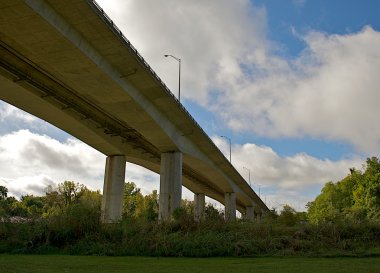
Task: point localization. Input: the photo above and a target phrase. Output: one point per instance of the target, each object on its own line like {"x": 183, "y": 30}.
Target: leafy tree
{"x": 33, "y": 204}
{"x": 288, "y": 216}
{"x": 3, "y": 192}
{"x": 71, "y": 191}
{"x": 150, "y": 210}
{"x": 212, "y": 214}
{"x": 132, "y": 200}
{"x": 356, "y": 197}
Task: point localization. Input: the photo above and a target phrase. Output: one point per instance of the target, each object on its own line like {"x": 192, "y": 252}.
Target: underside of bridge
{"x": 67, "y": 63}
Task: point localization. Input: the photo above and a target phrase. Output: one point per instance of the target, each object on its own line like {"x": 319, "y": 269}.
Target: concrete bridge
{"x": 67, "y": 63}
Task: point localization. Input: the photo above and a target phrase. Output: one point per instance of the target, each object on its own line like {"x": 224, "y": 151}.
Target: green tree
{"x": 132, "y": 200}
{"x": 150, "y": 209}
{"x": 3, "y": 192}
{"x": 355, "y": 197}
{"x": 71, "y": 191}
{"x": 34, "y": 204}
{"x": 288, "y": 216}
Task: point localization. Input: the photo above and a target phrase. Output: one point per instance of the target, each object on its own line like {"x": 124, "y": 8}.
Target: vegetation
{"x": 355, "y": 198}
{"x": 342, "y": 220}
{"x": 80, "y": 264}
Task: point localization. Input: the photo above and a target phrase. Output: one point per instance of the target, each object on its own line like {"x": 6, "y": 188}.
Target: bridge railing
{"x": 131, "y": 48}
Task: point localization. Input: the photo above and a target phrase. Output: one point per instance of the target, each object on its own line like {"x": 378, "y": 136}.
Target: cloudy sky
{"x": 295, "y": 84}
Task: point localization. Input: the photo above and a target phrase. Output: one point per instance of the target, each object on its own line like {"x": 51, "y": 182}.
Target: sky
{"x": 294, "y": 84}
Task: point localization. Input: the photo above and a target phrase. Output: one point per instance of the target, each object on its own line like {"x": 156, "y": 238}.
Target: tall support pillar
{"x": 257, "y": 213}
{"x": 230, "y": 207}
{"x": 250, "y": 213}
{"x": 112, "y": 200}
{"x": 262, "y": 216}
{"x": 199, "y": 206}
{"x": 170, "y": 185}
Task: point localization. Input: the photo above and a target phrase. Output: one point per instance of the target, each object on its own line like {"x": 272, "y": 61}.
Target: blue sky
{"x": 285, "y": 21}
{"x": 293, "y": 83}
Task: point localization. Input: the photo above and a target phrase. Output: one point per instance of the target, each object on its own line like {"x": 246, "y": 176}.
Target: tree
{"x": 3, "y": 192}
{"x": 150, "y": 211}
{"x": 71, "y": 191}
{"x": 33, "y": 204}
{"x": 132, "y": 200}
{"x": 288, "y": 216}
{"x": 355, "y": 197}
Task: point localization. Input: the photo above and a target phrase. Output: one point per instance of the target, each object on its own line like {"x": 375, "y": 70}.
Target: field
{"x": 80, "y": 264}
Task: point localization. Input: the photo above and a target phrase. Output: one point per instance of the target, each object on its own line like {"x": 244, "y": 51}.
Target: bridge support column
{"x": 258, "y": 213}
{"x": 170, "y": 185}
{"x": 199, "y": 206}
{"x": 112, "y": 201}
{"x": 230, "y": 207}
{"x": 262, "y": 214}
{"x": 250, "y": 213}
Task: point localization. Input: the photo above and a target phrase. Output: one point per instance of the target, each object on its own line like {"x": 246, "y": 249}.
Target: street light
{"x": 179, "y": 74}
{"x": 249, "y": 176}
{"x": 230, "y": 144}
{"x": 259, "y": 189}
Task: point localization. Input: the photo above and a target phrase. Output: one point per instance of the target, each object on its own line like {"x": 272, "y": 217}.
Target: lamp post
{"x": 179, "y": 74}
{"x": 249, "y": 176}
{"x": 259, "y": 189}
{"x": 230, "y": 144}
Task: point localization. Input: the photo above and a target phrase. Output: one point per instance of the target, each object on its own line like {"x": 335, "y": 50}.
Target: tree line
{"x": 71, "y": 195}
{"x": 343, "y": 220}
{"x": 356, "y": 197}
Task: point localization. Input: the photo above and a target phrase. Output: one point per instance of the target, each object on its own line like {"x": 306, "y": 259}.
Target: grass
{"x": 80, "y": 264}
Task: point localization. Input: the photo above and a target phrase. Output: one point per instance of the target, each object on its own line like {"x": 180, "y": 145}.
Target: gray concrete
{"x": 230, "y": 207}
{"x": 112, "y": 201}
{"x": 250, "y": 213}
{"x": 199, "y": 206}
{"x": 95, "y": 86}
{"x": 258, "y": 214}
{"x": 170, "y": 185}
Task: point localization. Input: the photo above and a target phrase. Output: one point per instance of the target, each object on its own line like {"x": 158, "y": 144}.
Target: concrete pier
{"x": 250, "y": 213}
{"x": 170, "y": 185}
{"x": 199, "y": 206}
{"x": 112, "y": 201}
{"x": 230, "y": 207}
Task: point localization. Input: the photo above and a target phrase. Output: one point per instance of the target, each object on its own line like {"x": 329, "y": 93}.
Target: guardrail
{"x": 96, "y": 7}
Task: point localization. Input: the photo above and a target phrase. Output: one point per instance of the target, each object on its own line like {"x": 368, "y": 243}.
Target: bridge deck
{"x": 65, "y": 62}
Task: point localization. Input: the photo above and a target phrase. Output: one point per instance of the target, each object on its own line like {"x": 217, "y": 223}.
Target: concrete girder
{"x": 121, "y": 85}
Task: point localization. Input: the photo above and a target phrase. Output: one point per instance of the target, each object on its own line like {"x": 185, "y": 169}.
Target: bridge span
{"x": 68, "y": 64}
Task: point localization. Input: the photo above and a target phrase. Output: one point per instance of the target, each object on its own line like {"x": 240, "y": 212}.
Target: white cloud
{"x": 229, "y": 65}
{"x": 294, "y": 179}
{"x": 9, "y": 112}
{"x": 330, "y": 91}
{"x": 30, "y": 162}
{"x": 211, "y": 37}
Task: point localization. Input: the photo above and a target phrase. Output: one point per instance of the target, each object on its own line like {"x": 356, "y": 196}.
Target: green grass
{"x": 80, "y": 264}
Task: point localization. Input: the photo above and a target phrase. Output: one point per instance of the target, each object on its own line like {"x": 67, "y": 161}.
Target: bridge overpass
{"x": 68, "y": 64}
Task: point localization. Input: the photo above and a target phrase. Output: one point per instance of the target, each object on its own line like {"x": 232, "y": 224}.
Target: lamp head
{"x": 166, "y": 55}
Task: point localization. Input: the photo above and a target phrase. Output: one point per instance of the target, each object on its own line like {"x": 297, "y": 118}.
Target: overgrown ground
{"x": 185, "y": 238}
{"x": 344, "y": 220}
{"x": 80, "y": 264}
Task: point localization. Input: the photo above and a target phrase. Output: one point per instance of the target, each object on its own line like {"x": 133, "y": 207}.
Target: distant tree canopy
{"x": 3, "y": 192}
{"x": 355, "y": 197}
{"x": 54, "y": 202}
{"x": 136, "y": 205}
